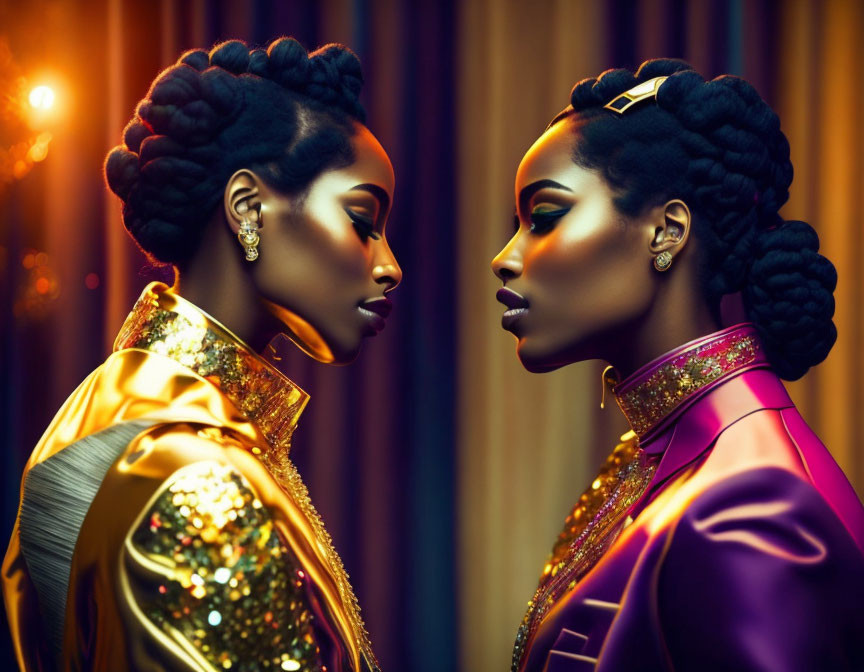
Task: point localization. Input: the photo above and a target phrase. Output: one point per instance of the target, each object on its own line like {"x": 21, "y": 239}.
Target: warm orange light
{"x": 20, "y": 169}
{"x": 42, "y": 97}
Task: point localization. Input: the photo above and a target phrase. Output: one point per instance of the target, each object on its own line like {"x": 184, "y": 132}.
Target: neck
{"x": 170, "y": 325}
{"x": 677, "y": 315}
{"x": 216, "y": 281}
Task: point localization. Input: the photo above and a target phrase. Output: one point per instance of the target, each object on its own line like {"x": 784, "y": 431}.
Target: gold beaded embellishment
{"x": 227, "y": 589}
{"x": 589, "y": 531}
{"x": 653, "y": 396}
{"x": 288, "y": 477}
{"x": 262, "y": 393}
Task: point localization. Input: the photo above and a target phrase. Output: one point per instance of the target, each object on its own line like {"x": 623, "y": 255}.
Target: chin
{"x": 544, "y": 357}
{"x": 537, "y": 360}
{"x": 343, "y": 351}
{"x": 326, "y": 350}
{"x": 345, "y": 357}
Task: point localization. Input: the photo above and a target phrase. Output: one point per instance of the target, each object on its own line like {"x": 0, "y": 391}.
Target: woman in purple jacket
{"x": 720, "y": 534}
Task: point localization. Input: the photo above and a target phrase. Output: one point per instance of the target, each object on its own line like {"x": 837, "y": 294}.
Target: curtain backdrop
{"x": 442, "y": 469}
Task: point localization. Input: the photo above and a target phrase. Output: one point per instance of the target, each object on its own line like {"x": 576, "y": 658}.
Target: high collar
{"x": 659, "y": 392}
{"x": 165, "y": 323}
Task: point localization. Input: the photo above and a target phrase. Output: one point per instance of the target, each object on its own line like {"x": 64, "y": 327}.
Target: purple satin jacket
{"x": 746, "y": 550}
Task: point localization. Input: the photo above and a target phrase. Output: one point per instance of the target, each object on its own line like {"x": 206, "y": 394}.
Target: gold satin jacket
{"x": 162, "y": 525}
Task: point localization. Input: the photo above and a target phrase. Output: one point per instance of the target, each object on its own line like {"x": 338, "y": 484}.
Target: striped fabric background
{"x": 442, "y": 468}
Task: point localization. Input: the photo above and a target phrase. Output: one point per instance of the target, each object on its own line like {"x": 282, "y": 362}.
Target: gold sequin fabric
{"x": 589, "y": 531}
{"x": 650, "y": 397}
{"x": 164, "y": 323}
{"x": 229, "y": 590}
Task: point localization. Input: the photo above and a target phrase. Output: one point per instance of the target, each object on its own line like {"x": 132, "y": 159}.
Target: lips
{"x": 380, "y": 305}
{"x": 517, "y": 304}
{"x": 511, "y": 299}
{"x": 375, "y": 311}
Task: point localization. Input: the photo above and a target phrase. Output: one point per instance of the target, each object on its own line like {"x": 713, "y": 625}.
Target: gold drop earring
{"x": 610, "y": 378}
{"x": 249, "y": 238}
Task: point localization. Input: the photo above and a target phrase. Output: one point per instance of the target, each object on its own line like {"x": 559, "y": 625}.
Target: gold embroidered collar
{"x": 165, "y": 323}
{"x": 654, "y": 394}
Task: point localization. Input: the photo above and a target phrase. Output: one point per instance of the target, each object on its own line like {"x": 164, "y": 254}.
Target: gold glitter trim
{"x": 286, "y": 474}
{"x": 165, "y": 323}
{"x": 589, "y": 531}
{"x": 648, "y": 400}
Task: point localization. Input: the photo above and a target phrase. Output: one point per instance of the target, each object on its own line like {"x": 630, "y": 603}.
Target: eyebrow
{"x": 534, "y": 187}
{"x": 378, "y": 192}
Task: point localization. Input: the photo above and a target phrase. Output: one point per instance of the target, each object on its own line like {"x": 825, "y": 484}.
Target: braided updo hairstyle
{"x": 717, "y": 146}
{"x": 283, "y": 112}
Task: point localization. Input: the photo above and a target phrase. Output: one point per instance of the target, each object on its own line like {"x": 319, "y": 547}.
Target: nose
{"x": 508, "y": 262}
{"x": 386, "y": 270}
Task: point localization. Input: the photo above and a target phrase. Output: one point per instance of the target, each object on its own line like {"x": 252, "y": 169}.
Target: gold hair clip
{"x": 638, "y": 93}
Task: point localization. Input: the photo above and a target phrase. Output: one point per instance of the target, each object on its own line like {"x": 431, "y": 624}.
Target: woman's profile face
{"x": 576, "y": 273}
{"x": 324, "y": 264}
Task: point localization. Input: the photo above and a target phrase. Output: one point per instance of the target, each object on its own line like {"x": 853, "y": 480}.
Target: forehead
{"x": 551, "y": 155}
{"x": 371, "y": 164}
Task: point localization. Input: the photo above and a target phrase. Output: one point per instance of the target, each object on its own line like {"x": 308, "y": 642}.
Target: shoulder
{"x": 786, "y": 515}
{"x": 760, "y": 439}
{"x": 157, "y": 454}
{"x": 759, "y": 570}
{"x": 132, "y": 384}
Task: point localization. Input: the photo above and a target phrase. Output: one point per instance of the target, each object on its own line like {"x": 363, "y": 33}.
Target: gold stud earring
{"x": 663, "y": 261}
{"x": 249, "y": 238}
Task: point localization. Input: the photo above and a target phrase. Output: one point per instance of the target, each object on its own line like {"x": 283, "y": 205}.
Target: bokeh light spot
{"x": 39, "y": 150}
{"x": 43, "y": 285}
{"x": 91, "y": 281}
{"x": 37, "y": 153}
{"x": 42, "y": 97}
{"x": 19, "y": 170}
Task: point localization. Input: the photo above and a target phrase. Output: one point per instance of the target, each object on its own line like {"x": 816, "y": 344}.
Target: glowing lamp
{"x": 42, "y": 97}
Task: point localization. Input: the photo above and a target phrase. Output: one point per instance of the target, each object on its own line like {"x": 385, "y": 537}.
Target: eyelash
{"x": 363, "y": 226}
{"x": 541, "y": 222}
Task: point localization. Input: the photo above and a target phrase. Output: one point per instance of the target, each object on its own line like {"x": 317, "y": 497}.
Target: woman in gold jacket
{"x": 162, "y": 524}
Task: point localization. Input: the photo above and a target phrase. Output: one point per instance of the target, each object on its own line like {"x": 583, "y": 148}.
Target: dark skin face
{"x": 324, "y": 265}
{"x": 580, "y": 275}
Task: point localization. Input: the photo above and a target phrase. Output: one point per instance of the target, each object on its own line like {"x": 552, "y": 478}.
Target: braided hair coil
{"x": 285, "y": 112}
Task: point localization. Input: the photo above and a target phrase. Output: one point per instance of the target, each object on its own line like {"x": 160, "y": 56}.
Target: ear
{"x": 242, "y": 199}
{"x": 672, "y": 230}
